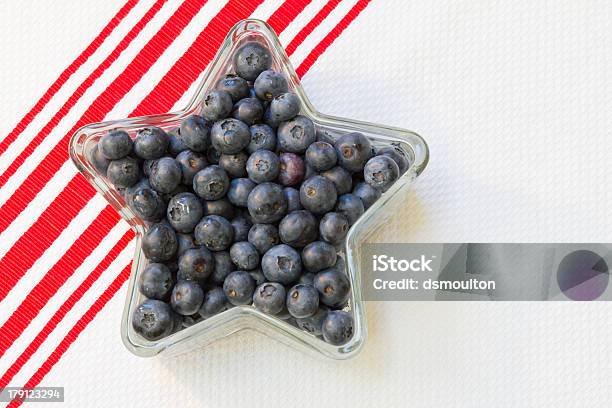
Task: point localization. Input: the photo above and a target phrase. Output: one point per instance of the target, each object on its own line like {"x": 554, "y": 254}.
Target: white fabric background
{"x": 515, "y": 101}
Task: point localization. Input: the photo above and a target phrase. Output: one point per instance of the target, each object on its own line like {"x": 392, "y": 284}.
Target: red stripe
{"x": 56, "y": 355}
{"x": 78, "y": 93}
{"x": 57, "y": 275}
{"x": 65, "y": 308}
{"x": 100, "y": 107}
{"x": 74, "y": 333}
{"x": 286, "y": 13}
{"x": 331, "y": 37}
{"x": 66, "y": 74}
{"x": 308, "y": 28}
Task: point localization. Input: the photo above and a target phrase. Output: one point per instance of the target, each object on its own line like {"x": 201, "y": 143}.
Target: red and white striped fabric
{"x": 65, "y": 254}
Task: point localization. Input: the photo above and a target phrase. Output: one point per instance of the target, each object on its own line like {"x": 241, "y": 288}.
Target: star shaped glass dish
{"x": 247, "y": 317}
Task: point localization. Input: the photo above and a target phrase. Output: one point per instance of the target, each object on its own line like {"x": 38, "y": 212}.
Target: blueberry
{"x": 307, "y": 278}
{"x": 367, "y": 194}
{"x": 175, "y": 142}
{"x": 321, "y": 156}
{"x": 241, "y": 225}
{"x": 185, "y": 242}
{"x": 318, "y": 194}
{"x": 123, "y": 172}
{"x": 211, "y": 183}
{"x": 269, "y": 84}
{"x": 337, "y": 327}
{"x": 190, "y": 163}
{"x": 237, "y": 87}
{"x": 302, "y": 301}
{"x": 298, "y": 228}
{"x": 284, "y": 107}
{"x": 296, "y": 135}
{"x": 398, "y": 155}
{"x": 333, "y": 227}
{"x": 381, "y": 172}
{"x": 196, "y": 264}
{"x": 214, "y": 232}
{"x": 263, "y": 237}
{"x": 99, "y": 162}
{"x": 248, "y": 110}
{"x": 313, "y": 324}
{"x": 234, "y": 164}
{"x": 351, "y": 207}
{"x": 146, "y": 203}
{"x": 223, "y": 266}
{"x": 258, "y": 276}
{"x": 181, "y": 188}
{"x": 293, "y": 199}
{"x": 282, "y": 264}
{"x": 229, "y": 136}
{"x": 213, "y": 155}
{"x": 341, "y": 178}
{"x": 159, "y": 243}
{"x": 151, "y": 143}
{"x": 244, "y": 255}
{"x": 153, "y": 319}
{"x": 353, "y": 150}
{"x": 310, "y": 172}
{"x": 195, "y": 133}
{"x": 184, "y": 212}
{"x": 166, "y": 175}
{"x": 262, "y": 137}
{"x": 292, "y": 169}
{"x": 318, "y": 255}
{"x": 214, "y": 302}
{"x": 156, "y": 281}
{"x": 216, "y": 105}
{"x": 239, "y": 287}
{"x": 262, "y": 166}
{"x": 221, "y": 207}
{"x": 251, "y": 60}
{"x": 187, "y": 297}
{"x": 269, "y": 297}
{"x": 334, "y": 287}
{"x": 267, "y": 203}
{"x": 116, "y": 144}
{"x": 239, "y": 191}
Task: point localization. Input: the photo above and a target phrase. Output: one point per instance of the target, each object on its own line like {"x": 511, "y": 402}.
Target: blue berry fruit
{"x": 293, "y": 199}
{"x": 302, "y": 301}
{"x": 292, "y": 169}
{"x": 166, "y": 175}
{"x": 263, "y": 237}
{"x": 313, "y": 324}
{"x": 242, "y": 224}
{"x": 159, "y": 243}
{"x": 229, "y": 136}
{"x": 156, "y": 281}
{"x": 267, "y": 203}
{"x": 184, "y": 212}
{"x": 123, "y": 172}
{"x": 341, "y": 178}
{"x": 318, "y": 194}
{"x": 296, "y": 135}
{"x": 284, "y": 107}
{"x": 397, "y": 154}
{"x": 334, "y": 287}
{"x": 187, "y": 297}
{"x": 196, "y": 264}
{"x": 237, "y": 87}
{"x": 216, "y": 105}
{"x": 221, "y": 207}
{"x": 269, "y": 297}
{"x": 116, "y": 144}
{"x": 214, "y": 302}
{"x": 223, "y": 266}
{"x": 151, "y": 143}
{"x": 318, "y": 255}
{"x": 239, "y": 191}
{"x": 239, "y": 287}
{"x": 153, "y": 319}
{"x": 282, "y": 264}
{"x": 251, "y": 60}
{"x": 351, "y": 207}
{"x": 353, "y": 150}
{"x": 248, "y": 110}
{"x": 269, "y": 84}
{"x": 214, "y": 232}
{"x": 333, "y": 227}
{"x": 211, "y": 183}
{"x": 321, "y": 156}
{"x": 195, "y": 133}
{"x": 190, "y": 163}
{"x": 298, "y": 228}
{"x": 234, "y": 164}
{"x": 367, "y": 194}
{"x": 244, "y": 255}
{"x": 381, "y": 172}
{"x": 262, "y": 166}
{"x": 337, "y": 327}
{"x": 262, "y": 137}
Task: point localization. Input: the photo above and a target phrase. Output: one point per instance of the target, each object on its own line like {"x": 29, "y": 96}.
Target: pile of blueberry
{"x": 247, "y": 203}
